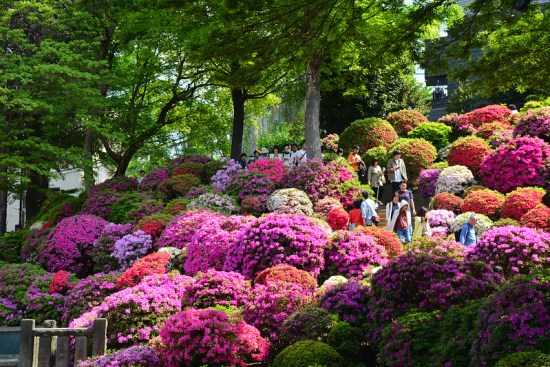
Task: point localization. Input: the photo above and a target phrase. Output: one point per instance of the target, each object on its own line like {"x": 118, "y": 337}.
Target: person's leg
{"x": 400, "y": 234}
{"x": 407, "y": 235}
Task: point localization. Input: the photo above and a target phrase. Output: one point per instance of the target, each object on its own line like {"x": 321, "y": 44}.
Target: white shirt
{"x": 398, "y": 175}
{"x": 368, "y": 210}
{"x": 301, "y": 156}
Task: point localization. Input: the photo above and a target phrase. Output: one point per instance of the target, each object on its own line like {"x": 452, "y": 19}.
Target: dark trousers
{"x": 379, "y": 192}
{"x": 394, "y": 187}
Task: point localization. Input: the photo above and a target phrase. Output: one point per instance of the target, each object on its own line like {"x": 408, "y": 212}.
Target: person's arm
{"x": 369, "y": 173}
{"x": 463, "y": 234}
{"x": 351, "y": 158}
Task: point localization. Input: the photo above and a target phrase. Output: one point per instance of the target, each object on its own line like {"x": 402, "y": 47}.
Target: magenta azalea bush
{"x": 103, "y": 196}
{"x": 427, "y": 181}
{"x": 348, "y": 300}
{"x": 515, "y": 164}
{"x": 217, "y": 288}
{"x": 274, "y": 168}
{"x": 104, "y": 246}
{"x": 152, "y": 181}
{"x": 136, "y": 356}
{"x": 222, "y": 178}
{"x": 136, "y": 314}
{"x": 211, "y": 337}
{"x": 353, "y": 255}
{"x": 131, "y": 247}
{"x": 277, "y": 239}
{"x": 70, "y": 245}
{"x": 209, "y": 245}
{"x": 534, "y": 123}
{"x": 518, "y": 250}
{"x": 180, "y": 231}
{"x": 251, "y": 184}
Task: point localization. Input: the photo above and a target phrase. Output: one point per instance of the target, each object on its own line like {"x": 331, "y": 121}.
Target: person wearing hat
{"x": 397, "y": 171}
{"x": 264, "y": 153}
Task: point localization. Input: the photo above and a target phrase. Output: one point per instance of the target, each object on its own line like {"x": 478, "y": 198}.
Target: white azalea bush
{"x": 482, "y": 225}
{"x": 454, "y": 180}
{"x": 216, "y": 202}
{"x": 290, "y": 201}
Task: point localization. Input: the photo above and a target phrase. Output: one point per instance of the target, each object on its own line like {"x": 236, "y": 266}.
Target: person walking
{"x": 401, "y": 225}
{"x": 376, "y": 180}
{"x": 397, "y": 171}
{"x": 468, "y": 235}
{"x": 368, "y": 210}
{"x": 421, "y": 225}
{"x": 392, "y": 210}
{"x": 407, "y": 195}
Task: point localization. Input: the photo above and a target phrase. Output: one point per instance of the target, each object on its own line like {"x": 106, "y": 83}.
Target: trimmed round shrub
{"x": 427, "y": 182}
{"x": 216, "y": 288}
{"x": 249, "y": 184}
{"x": 88, "y": 293}
{"x": 69, "y": 246}
{"x": 288, "y": 274}
{"x": 472, "y": 189}
{"x": 486, "y": 202}
{"x": 517, "y": 250}
{"x": 489, "y": 129}
{"x": 31, "y": 244}
{"x": 491, "y": 113}
{"x": 520, "y": 201}
{"x": 289, "y": 201}
{"x": 152, "y": 181}
{"x": 503, "y": 222}
{"x": 440, "y": 166}
{"x": 155, "y": 263}
{"x": 214, "y": 201}
{"x": 211, "y": 337}
{"x": 436, "y": 133}
{"x": 469, "y": 152}
{"x": 516, "y": 318}
{"x": 405, "y": 121}
{"x": 367, "y": 133}
{"x": 277, "y": 239}
{"x": 535, "y": 124}
{"x": 136, "y": 356}
{"x": 176, "y": 186}
{"x": 440, "y": 218}
{"x": 308, "y": 323}
{"x": 348, "y": 300}
{"x": 428, "y": 283}
{"x": 308, "y": 353}
{"x": 188, "y": 168}
{"x": 274, "y": 168}
{"x": 131, "y": 247}
{"x": 209, "y": 245}
{"x": 482, "y": 225}
{"x": 338, "y": 219}
{"x": 154, "y": 224}
{"x": 538, "y": 217}
{"x": 454, "y": 180}
{"x": 324, "y": 205}
{"x": 525, "y": 359}
{"x": 353, "y": 255}
{"x": 418, "y": 155}
{"x": 446, "y": 201}
{"x": 515, "y": 164}
{"x": 223, "y": 177}
{"x": 433, "y": 246}
{"x": 384, "y": 238}
{"x": 137, "y": 314}
{"x": 180, "y": 231}
{"x": 380, "y": 153}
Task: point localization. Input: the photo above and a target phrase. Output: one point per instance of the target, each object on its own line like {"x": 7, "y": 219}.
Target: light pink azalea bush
{"x": 180, "y": 231}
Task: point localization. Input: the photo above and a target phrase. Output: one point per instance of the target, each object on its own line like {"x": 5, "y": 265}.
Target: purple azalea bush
{"x": 427, "y": 182}
{"x": 277, "y": 239}
{"x": 131, "y": 247}
{"x": 180, "y": 231}
{"x": 135, "y": 356}
{"x": 534, "y": 123}
{"x": 251, "y": 184}
{"x": 217, "y": 288}
{"x": 222, "y": 178}
{"x": 518, "y": 250}
{"x": 104, "y": 246}
{"x": 348, "y": 300}
{"x": 70, "y": 245}
{"x": 154, "y": 179}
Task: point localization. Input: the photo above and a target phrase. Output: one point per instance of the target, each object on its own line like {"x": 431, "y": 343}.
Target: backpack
{"x": 457, "y": 235}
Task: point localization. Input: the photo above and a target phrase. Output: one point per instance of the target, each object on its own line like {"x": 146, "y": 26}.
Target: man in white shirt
{"x": 301, "y": 155}
{"x": 368, "y": 209}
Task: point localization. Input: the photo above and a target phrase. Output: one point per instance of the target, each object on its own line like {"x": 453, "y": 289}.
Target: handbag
{"x": 376, "y": 219}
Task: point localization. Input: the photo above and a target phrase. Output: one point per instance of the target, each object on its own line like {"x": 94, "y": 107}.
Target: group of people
{"x": 290, "y": 155}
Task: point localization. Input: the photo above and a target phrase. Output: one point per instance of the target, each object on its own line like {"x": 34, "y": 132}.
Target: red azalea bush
{"x": 176, "y": 206}
{"x": 154, "y": 224}
{"x": 518, "y": 250}
{"x": 538, "y": 217}
{"x": 384, "y": 238}
{"x": 520, "y": 201}
{"x": 405, "y": 121}
{"x": 338, "y": 219}
{"x": 486, "y": 202}
{"x": 534, "y": 123}
{"x": 62, "y": 282}
{"x": 155, "y": 263}
{"x": 211, "y": 337}
{"x": 180, "y": 231}
{"x": 517, "y": 163}
{"x": 277, "y": 239}
{"x": 274, "y": 168}
{"x": 487, "y": 114}
{"x": 367, "y": 133}
{"x": 324, "y": 205}
{"x": 252, "y": 206}
{"x": 418, "y": 155}
{"x": 353, "y": 255}
{"x": 188, "y": 168}
{"x": 489, "y": 129}
{"x": 470, "y": 152}
{"x": 217, "y": 288}
{"x": 69, "y": 246}
{"x": 288, "y": 274}
{"x": 448, "y": 201}
{"x": 176, "y": 186}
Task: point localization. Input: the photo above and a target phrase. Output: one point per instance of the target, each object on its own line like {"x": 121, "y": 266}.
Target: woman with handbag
{"x": 376, "y": 180}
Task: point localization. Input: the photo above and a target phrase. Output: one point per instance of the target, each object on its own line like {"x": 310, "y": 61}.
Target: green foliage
{"x": 525, "y": 359}
{"x": 306, "y": 353}
{"x": 436, "y": 133}
{"x": 503, "y": 222}
{"x": 210, "y": 169}
{"x": 176, "y": 187}
{"x": 59, "y": 205}
{"x": 283, "y": 134}
{"x": 10, "y": 245}
{"x": 440, "y": 165}
{"x": 367, "y": 133}
{"x": 536, "y": 104}
{"x": 348, "y": 341}
{"x": 133, "y": 206}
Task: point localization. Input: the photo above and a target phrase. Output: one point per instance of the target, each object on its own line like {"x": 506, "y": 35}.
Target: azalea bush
{"x": 154, "y": 224}
{"x": 308, "y": 323}
{"x": 274, "y": 168}
{"x": 433, "y": 246}
{"x": 427, "y": 182}
{"x": 131, "y": 247}
{"x": 188, "y": 168}
{"x": 155, "y": 263}
{"x": 330, "y": 142}
{"x": 454, "y": 180}
{"x": 152, "y": 181}
{"x": 405, "y": 121}
{"x": 324, "y": 206}
{"x": 487, "y": 130}
{"x": 436, "y": 133}
{"x": 418, "y": 155}
{"x": 348, "y": 300}
{"x": 176, "y": 206}
{"x": 367, "y": 133}
{"x": 31, "y": 243}
{"x": 289, "y": 201}
{"x": 483, "y": 222}
{"x": 518, "y": 250}
{"x": 353, "y": 255}
{"x": 515, "y": 164}
{"x": 179, "y": 232}
{"x": 133, "y": 206}
{"x": 210, "y": 169}
{"x": 176, "y": 186}
{"x": 211, "y": 337}
{"x": 287, "y": 274}
{"x": 491, "y": 113}
{"x": 217, "y": 288}
{"x": 277, "y": 239}
{"x": 338, "y": 219}
{"x": 448, "y": 201}
{"x": 520, "y": 201}
{"x": 70, "y": 245}
{"x": 440, "y": 218}
{"x": 136, "y": 356}
{"x": 535, "y": 124}
{"x": 251, "y": 184}
{"x": 384, "y": 238}
{"x": 215, "y": 202}
{"x": 486, "y": 202}
{"x": 459, "y": 126}
{"x": 252, "y": 206}
{"x": 538, "y": 217}
{"x": 209, "y": 245}
{"x": 222, "y": 178}
{"x": 381, "y": 153}
{"x": 469, "y": 152}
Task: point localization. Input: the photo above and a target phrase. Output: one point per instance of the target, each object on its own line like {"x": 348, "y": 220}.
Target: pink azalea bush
{"x": 70, "y": 244}
{"x": 274, "y": 168}
{"x": 211, "y": 337}
{"x": 180, "y": 231}
{"x": 520, "y": 201}
{"x": 216, "y": 288}
{"x": 348, "y": 300}
{"x": 440, "y": 218}
{"x": 137, "y": 314}
{"x": 534, "y": 123}
{"x": 486, "y": 114}
{"x": 251, "y": 184}
{"x": 209, "y": 245}
{"x": 353, "y": 255}
{"x": 434, "y": 246}
{"x": 515, "y": 164}
{"x": 518, "y": 250}
{"x": 135, "y": 356}
{"x": 427, "y": 181}
{"x": 276, "y": 239}
{"x": 153, "y": 179}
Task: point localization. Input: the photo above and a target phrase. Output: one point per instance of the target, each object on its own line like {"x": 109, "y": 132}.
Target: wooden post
{"x": 46, "y": 346}
{"x": 99, "y": 337}
{"x": 80, "y": 349}
{"x": 63, "y": 352}
{"x": 26, "y": 345}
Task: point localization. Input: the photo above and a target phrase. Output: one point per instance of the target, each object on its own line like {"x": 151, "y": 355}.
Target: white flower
{"x": 454, "y": 180}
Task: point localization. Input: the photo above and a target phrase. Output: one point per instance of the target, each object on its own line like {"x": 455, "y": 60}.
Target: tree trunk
{"x": 238, "y": 97}
{"x": 36, "y": 194}
{"x": 124, "y": 161}
{"x": 3, "y": 212}
{"x": 88, "y": 164}
{"x": 313, "y": 102}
